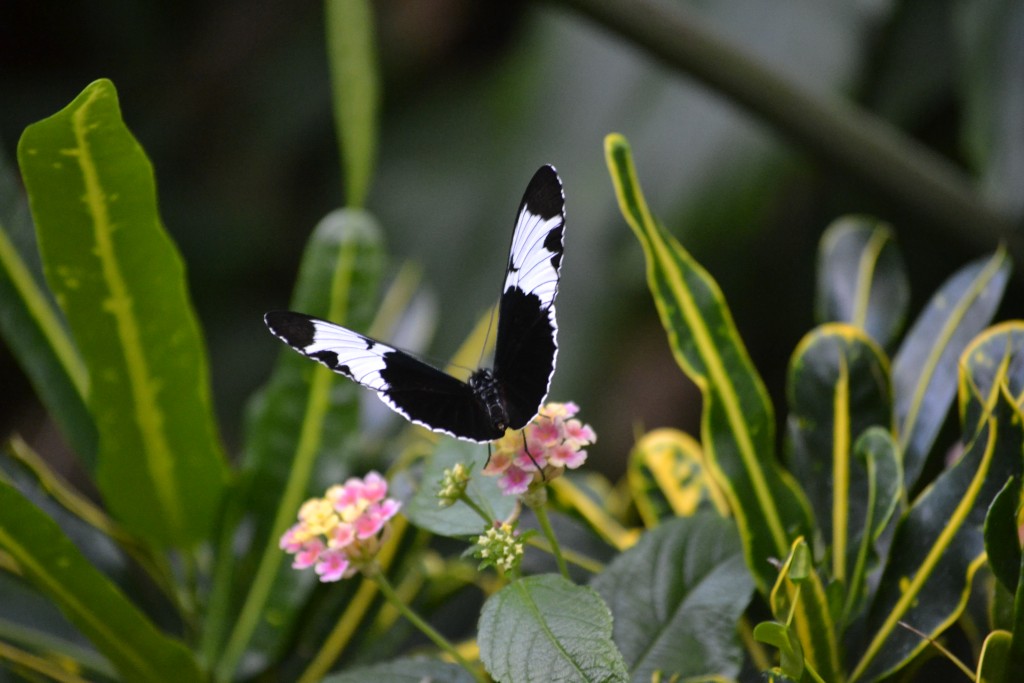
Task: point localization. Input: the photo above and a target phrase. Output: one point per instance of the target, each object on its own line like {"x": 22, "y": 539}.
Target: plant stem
{"x": 852, "y": 138}
{"x": 389, "y": 592}
{"x": 545, "y": 524}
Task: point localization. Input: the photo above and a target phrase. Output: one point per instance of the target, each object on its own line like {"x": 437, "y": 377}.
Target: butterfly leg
{"x": 532, "y": 459}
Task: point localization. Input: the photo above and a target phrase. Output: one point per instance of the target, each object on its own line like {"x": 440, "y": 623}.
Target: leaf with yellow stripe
{"x": 738, "y": 424}
{"x": 861, "y": 278}
{"x": 667, "y": 477}
{"x": 302, "y": 433}
{"x": 936, "y": 550}
{"x": 992, "y": 362}
{"x": 925, "y": 367}
{"x": 838, "y": 387}
{"x": 50, "y": 562}
{"x": 121, "y": 284}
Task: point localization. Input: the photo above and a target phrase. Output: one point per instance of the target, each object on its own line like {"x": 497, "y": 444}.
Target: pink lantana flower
{"x": 553, "y": 442}
{"x": 341, "y": 533}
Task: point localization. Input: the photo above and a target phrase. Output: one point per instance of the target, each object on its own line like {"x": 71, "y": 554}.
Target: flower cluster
{"x": 552, "y": 442}
{"x": 453, "y": 485}
{"x": 500, "y": 547}
{"x": 341, "y": 533}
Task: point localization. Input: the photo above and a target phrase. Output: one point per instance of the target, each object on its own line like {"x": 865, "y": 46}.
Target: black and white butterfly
{"x": 506, "y": 396}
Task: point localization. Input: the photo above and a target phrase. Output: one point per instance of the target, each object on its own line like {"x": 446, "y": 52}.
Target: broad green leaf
{"x": 876, "y": 464}
{"x": 992, "y": 363}
{"x": 32, "y": 327}
{"x": 544, "y": 628}
{"x": 1002, "y": 542}
{"x": 667, "y": 477}
{"x": 838, "y": 386}
{"x": 352, "y": 58}
{"x": 993, "y": 663}
{"x": 302, "y": 431}
{"x": 49, "y": 561}
{"x": 798, "y": 599}
{"x": 676, "y": 598}
{"x": 459, "y": 519}
{"x": 861, "y": 278}
{"x": 405, "y": 671}
{"x": 937, "y": 548}
{"x": 121, "y": 284}
{"x": 925, "y": 371}
{"x": 738, "y": 424}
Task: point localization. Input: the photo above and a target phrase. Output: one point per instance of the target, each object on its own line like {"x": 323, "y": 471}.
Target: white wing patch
{"x": 359, "y": 358}
{"x": 535, "y": 255}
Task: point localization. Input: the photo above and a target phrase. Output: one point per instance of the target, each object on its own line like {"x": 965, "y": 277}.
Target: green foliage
{"x": 854, "y": 429}
{"x": 858, "y": 522}
{"x": 544, "y": 628}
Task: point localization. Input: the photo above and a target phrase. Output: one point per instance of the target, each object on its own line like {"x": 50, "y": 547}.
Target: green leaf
{"x": 52, "y": 563}
{"x": 993, "y": 663}
{"x": 1002, "y": 542}
{"x": 791, "y": 656}
{"x": 459, "y": 520}
{"x": 991, "y": 363}
{"x": 352, "y": 58}
{"x": 876, "y": 468}
{"x": 861, "y": 278}
{"x": 33, "y": 329}
{"x": 937, "y": 548}
{"x": 925, "y": 370}
{"x": 121, "y": 284}
{"x": 676, "y": 598}
{"x": 405, "y": 671}
{"x": 838, "y": 386}
{"x": 667, "y": 477}
{"x": 302, "y": 433}
{"x": 738, "y": 424}
{"x": 544, "y": 628}
{"x": 798, "y": 599}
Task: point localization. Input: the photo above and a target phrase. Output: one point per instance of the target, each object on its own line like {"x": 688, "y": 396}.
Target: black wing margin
{"x": 419, "y": 392}
{"x": 526, "y": 345}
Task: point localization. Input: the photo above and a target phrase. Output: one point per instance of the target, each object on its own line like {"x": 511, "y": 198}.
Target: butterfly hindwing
{"x": 419, "y": 392}
{"x": 526, "y": 345}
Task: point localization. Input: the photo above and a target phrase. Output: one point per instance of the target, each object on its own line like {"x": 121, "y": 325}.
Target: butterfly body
{"x": 506, "y": 396}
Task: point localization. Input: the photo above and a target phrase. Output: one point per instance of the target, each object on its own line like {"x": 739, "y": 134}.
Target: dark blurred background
{"x": 231, "y": 101}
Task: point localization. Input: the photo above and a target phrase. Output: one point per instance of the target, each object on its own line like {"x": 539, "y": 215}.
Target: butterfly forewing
{"x": 416, "y": 390}
{"x": 525, "y": 346}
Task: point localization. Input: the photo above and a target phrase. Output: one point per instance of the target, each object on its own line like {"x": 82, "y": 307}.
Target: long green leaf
{"x": 302, "y": 432}
{"x": 33, "y": 329}
{"x": 352, "y": 58}
{"x": 738, "y": 425}
{"x": 861, "y": 278}
{"x": 544, "y": 628}
{"x": 876, "y": 463}
{"x": 52, "y": 563}
{"x": 927, "y": 578}
{"x": 121, "y": 284}
{"x": 676, "y": 598}
{"x": 925, "y": 368}
{"x": 838, "y": 386}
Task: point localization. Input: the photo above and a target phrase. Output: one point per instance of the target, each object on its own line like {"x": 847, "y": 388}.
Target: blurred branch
{"x": 902, "y": 169}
